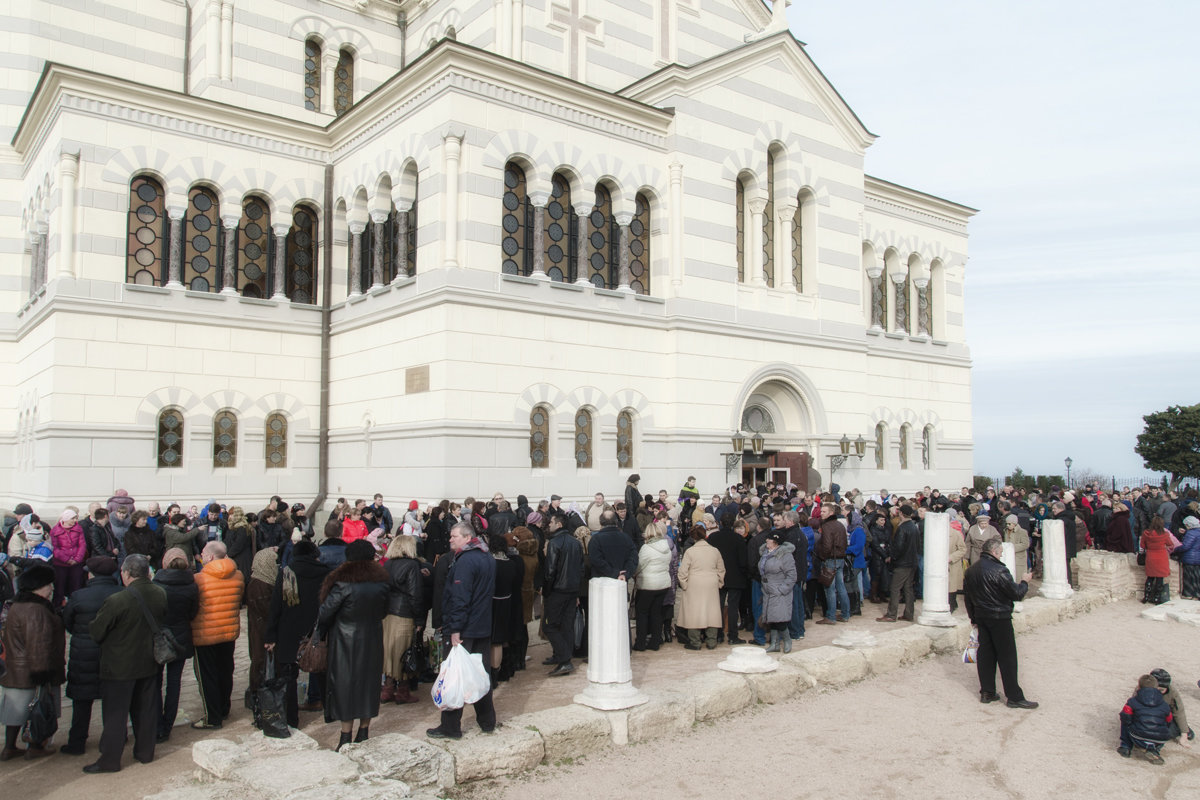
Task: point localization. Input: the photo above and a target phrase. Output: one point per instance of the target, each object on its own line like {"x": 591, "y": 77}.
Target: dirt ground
{"x": 873, "y": 738}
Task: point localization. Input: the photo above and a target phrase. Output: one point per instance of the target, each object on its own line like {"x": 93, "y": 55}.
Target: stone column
{"x": 227, "y": 40}
{"x": 878, "y": 294}
{"x": 582, "y": 269}
{"x": 36, "y": 245}
{"x": 623, "y": 219}
{"x": 175, "y": 254}
{"x": 785, "y": 273}
{"x": 68, "y": 175}
{"x": 212, "y": 39}
{"x": 900, "y": 309}
{"x": 539, "y": 200}
{"x": 229, "y": 283}
{"x": 922, "y": 285}
{"x": 1056, "y": 581}
{"x": 329, "y": 61}
{"x": 753, "y": 252}
{"x": 452, "y": 153}
{"x": 281, "y": 232}
{"x": 935, "y": 607}
{"x": 1009, "y": 556}
{"x": 504, "y": 39}
{"x": 610, "y": 678}
{"x": 676, "y": 224}
{"x": 356, "y": 234}
{"x": 400, "y": 253}
{"x": 378, "y": 220}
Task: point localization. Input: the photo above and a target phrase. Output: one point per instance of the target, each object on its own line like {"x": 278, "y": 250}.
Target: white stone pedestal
{"x": 748, "y": 659}
{"x": 1056, "y": 581}
{"x": 935, "y": 605}
{"x": 610, "y": 678}
{"x": 856, "y": 639}
{"x": 1009, "y": 557}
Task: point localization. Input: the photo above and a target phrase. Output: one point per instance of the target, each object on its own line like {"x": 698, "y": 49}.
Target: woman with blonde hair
{"x": 653, "y": 578}
{"x": 584, "y": 534}
{"x": 406, "y": 616}
{"x": 239, "y": 542}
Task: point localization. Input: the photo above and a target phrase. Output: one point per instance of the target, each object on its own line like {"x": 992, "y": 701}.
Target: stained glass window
{"x": 560, "y": 224}
{"x": 769, "y": 225}
{"x": 170, "y": 438}
{"x": 880, "y": 445}
{"x": 927, "y": 447}
{"x": 639, "y": 247}
{"x": 312, "y": 75}
{"x": 798, "y": 243}
{"x": 516, "y": 243}
{"x": 925, "y": 309}
{"x": 254, "y": 249}
{"x": 583, "y": 439}
{"x": 902, "y": 302}
{"x": 539, "y": 437}
{"x": 275, "y": 442}
{"x": 343, "y": 83}
{"x": 601, "y": 241}
{"x": 201, "y": 268}
{"x": 302, "y": 256}
{"x": 225, "y": 434}
{"x": 904, "y": 430}
{"x": 403, "y": 260}
{"x": 625, "y": 439}
{"x": 146, "y": 243}
{"x": 740, "y": 203}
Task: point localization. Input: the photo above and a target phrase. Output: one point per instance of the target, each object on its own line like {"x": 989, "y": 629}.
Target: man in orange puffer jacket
{"x": 215, "y": 630}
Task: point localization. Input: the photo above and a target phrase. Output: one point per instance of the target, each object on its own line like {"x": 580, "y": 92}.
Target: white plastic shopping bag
{"x": 462, "y": 679}
{"x": 971, "y": 652}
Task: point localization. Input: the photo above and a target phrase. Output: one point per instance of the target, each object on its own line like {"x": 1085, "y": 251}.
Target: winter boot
{"x": 787, "y": 641}
{"x": 774, "y": 646}
{"x": 404, "y": 695}
{"x": 344, "y": 739}
{"x": 363, "y": 734}
{"x": 388, "y": 693}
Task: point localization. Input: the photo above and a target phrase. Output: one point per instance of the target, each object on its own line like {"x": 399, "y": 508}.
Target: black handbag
{"x": 416, "y": 659}
{"x": 42, "y": 721}
{"x": 1141, "y": 558}
{"x": 270, "y": 706}
{"x": 166, "y": 647}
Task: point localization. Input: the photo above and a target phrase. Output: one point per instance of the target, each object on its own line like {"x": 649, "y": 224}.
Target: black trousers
{"x": 731, "y": 601}
{"x": 137, "y": 700}
{"x": 81, "y": 720}
{"x": 649, "y": 615}
{"x": 170, "y": 694}
{"x": 485, "y": 711}
{"x": 998, "y": 646}
{"x": 213, "y": 665}
{"x": 560, "y": 625}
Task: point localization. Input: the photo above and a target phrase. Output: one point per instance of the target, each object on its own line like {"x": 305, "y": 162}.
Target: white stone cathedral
{"x": 436, "y": 248}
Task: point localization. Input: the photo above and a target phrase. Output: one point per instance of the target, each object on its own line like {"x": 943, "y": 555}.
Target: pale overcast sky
{"x": 1074, "y": 127}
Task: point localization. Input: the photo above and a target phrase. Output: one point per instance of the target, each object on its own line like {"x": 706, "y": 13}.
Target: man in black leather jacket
{"x": 560, "y": 592}
{"x": 902, "y": 558}
{"x": 990, "y": 593}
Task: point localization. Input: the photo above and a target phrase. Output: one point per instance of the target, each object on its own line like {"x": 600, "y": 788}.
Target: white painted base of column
{"x": 540, "y": 276}
{"x": 611, "y": 696}
{"x": 229, "y": 291}
{"x": 625, "y": 288}
{"x": 174, "y": 285}
{"x": 279, "y": 297}
{"x": 748, "y": 659}
{"x": 375, "y": 286}
{"x": 937, "y": 619}
{"x": 1059, "y": 591}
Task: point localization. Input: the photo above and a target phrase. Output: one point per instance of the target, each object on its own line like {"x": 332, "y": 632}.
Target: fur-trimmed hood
{"x": 354, "y": 572}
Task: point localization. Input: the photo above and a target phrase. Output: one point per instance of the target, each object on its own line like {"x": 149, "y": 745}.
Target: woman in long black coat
{"x": 295, "y": 601}
{"x": 354, "y": 601}
{"x": 83, "y": 659}
{"x": 183, "y": 602}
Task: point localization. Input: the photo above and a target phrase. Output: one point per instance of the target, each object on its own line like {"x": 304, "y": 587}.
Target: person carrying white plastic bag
{"x": 462, "y": 679}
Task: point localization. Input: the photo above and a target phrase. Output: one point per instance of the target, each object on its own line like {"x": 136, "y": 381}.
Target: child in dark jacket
{"x": 1145, "y": 721}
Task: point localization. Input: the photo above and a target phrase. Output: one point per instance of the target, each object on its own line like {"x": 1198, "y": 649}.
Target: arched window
{"x": 904, "y": 436}
{"x": 255, "y": 249}
{"x": 275, "y": 443}
{"x": 740, "y": 203}
{"x": 146, "y": 243}
{"x": 343, "y": 83}
{"x": 225, "y": 436}
{"x": 903, "y": 301}
{"x": 927, "y": 447}
{"x": 170, "y": 438}
{"x": 539, "y": 437}
{"x": 602, "y": 241}
{"x": 625, "y": 439}
{"x": 302, "y": 256}
{"x": 769, "y": 224}
{"x": 583, "y": 439}
{"x": 404, "y": 244}
{"x": 639, "y": 246}
{"x": 880, "y": 446}
{"x": 202, "y": 242}
{"x": 560, "y": 231}
{"x": 312, "y": 75}
{"x": 517, "y": 242}
{"x": 803, "y": 199}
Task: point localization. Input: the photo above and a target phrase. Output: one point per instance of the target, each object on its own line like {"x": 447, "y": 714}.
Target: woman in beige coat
{"x": 698, "y": 601}
{"x": 1013, "y": 532}
{"x": 958, "y": 551}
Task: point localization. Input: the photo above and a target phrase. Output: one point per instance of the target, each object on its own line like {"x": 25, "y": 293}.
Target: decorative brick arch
{"x": 796, "y": 382}
{"x": 394, "y": 162}
{"x": 636, "y": 402}
{"x": 227, "y": 398}
{"x": 286, "y": 404}
{"x": 175, "y": 175}
{"x": 524, "y": 147}
{"x": 540, "y": 394}
{"x": 586, "y": 396}
{"x": 152, "y": 405}
{"x": 332, "y": 36}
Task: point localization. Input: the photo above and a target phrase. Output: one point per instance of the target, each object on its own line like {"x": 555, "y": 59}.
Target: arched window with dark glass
{"x": 560, "y": 227}
{"x": 927, "y": 447}
{"x": 904, "y": 435}
{"x": 517, "y": 241}
{"x": 583, "y": 439}
{"x": 768, "y": 232}
{"x": 146, "y": 243}
{"x": 170, "y": 438}
{"x": 275, "y": 441}
{"x": 639, "y": 246}
{"x": 403, "y": 260}
{"x": 225, "y": 436}
{"x": 880, "y": 445}
{"x": 625, "y": 439}
{"x": 603, "y": 241}
{"x": 312, "y": 75}
{"x": 539, "y": 437}
{"x": 302, "y": 256}
{"x": 343, "y": 83}
{"x": 254, "y": 248}
{"x": 202, "y": 242}
{"x": 798, "y": 242}
{"x": 740, "y": 219}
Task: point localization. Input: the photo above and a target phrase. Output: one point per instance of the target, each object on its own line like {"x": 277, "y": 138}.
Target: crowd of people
{"x": 756, "y": 563}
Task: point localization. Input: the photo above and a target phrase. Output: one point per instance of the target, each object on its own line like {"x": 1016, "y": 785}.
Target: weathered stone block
{"x": 780, "y": 685}
{"x": 1039, "y": 611}
{"x": 884, "y": 658}
{"x": 263, "y": 746}
{"x": 829, "y": 666}
{"x": 667, "y": 713}
{"x": 567, "y": 731}
{"x": 281, "y": 776}
{"x": 218, "y": 790}
{"x": 717, "y": 694}
{"x": 219, "y": 756}
{"x": 403, "y": 758}
{"x": 361, "y": 789}
{"x": 949, "y": 640}
{"x": 486, "y": 755}
{"x": 915, "y": 643}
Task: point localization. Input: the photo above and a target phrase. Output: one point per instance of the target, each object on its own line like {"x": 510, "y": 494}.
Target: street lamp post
{"x": 836, "y": 461}
{"x": 1068, "y": 462}
{"x": 738, "y": 440}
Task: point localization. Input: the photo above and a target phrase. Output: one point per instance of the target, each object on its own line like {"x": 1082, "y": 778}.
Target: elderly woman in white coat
{"x": 653, "y": 580}
{"x": 698, "y": 601}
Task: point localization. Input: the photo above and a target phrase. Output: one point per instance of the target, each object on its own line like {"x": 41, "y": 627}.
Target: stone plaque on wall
{"x": 416, "y": 379}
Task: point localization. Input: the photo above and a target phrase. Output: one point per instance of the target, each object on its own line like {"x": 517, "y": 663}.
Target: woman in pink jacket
{"x": 70, "y": 551}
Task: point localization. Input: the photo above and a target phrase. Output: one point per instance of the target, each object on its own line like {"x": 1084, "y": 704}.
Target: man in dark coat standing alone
{"x": 83, "y": 663}
{"x": 633, "y": 497}
{"x": 990, "y": 593}
{"x": 611, "y": 551}
{"x": 733, "y": 552}
{"x": 467, "y": 619}
{"x": 128, "y": 671}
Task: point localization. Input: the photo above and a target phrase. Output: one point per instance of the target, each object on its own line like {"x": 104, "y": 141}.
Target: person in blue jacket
{"x": 1145, "y": 721}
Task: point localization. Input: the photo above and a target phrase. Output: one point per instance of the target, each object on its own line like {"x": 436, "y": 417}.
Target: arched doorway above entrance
{"x": 780, "y": 408}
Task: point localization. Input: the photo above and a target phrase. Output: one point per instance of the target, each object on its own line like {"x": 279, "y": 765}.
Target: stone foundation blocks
{"x": 398, "y": 757}
{"x": 284, "y": 775}
{"x": 717, "y": 693}
{"x": 781, "y": 685}
{"x": 486, "y": 755}
{"x": 567, "y": 731}
{"x": 828, "y": 665}
{"x": 913, "y": 640}
{"x": 667, "y": 713}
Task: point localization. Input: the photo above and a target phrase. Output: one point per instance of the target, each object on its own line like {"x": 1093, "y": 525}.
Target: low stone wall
{"x": 395, "y": 765}
{"x": 1116, "y": 573}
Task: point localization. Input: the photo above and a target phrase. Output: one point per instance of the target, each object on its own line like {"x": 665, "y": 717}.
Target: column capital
{"x": 379, "y": 217}
{"x": 539, "y": 199}
{"x": 358, "y": 228}
{"x": 68, "y": 163}
{"x": 176, "y": 211}
{"x": 229, "y": 221}
{"x": 784, "y": 212}
{"x": 921, "y": 282}
{"x": 898, "y": 276}
{"x": 757, "y": 205}
{"x": 281, "y": 229}
{"x": 623, "y": 218}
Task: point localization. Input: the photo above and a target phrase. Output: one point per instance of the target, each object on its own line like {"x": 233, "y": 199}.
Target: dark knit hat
{"x": 360, "y": 550}
{"x": 35, "y": 578}
{"x": 22, "y": 509}
{"x": 101, "y": 565}
{"x": 776, "y": 536}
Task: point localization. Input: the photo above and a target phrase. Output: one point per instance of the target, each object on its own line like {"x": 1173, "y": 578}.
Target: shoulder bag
{"x": 166, "y": 647}
{"x": 313, "y": 654}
